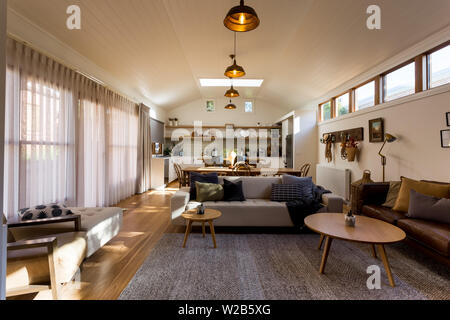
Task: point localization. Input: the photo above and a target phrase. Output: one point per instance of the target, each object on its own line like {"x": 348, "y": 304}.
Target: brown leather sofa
{"x": 433, "y": 238}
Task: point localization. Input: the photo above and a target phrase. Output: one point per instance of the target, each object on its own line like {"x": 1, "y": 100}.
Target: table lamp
{"x": 388, "y": 138}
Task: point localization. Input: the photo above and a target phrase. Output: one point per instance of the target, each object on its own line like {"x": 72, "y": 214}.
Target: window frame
{"x": 422, "y": 82}
{"x": 336, "y": 113}
{"x": 427, "y": 56}
{"x": 376, "y": 81}
{"x": 384, "y": 74}
{"x": 253, "y": 106}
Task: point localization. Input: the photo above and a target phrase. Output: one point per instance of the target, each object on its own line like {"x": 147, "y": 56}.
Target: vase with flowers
{"x": 351, "y": 149}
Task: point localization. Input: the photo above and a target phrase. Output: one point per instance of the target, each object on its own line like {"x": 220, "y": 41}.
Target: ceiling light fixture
{"x": 232, "y": 93}
{"x": 241, "y": 18}
{"x": 234, "y": 71}
{"x": 230, "y": 106}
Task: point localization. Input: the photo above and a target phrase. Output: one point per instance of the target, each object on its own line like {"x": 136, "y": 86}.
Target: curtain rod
{"x": 65, "y": 64}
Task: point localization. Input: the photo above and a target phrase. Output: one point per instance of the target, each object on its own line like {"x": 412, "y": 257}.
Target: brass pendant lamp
{"x": 241, "y": 18}
{"x": 230, "y": 106}
{"x": 232, "y": 93}
{"x": 234, "y": 71}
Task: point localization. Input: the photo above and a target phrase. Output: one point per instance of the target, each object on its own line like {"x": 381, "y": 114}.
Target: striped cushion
{"x": 286, "y": 192}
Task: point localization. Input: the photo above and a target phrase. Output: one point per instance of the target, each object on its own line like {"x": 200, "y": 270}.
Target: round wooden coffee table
{"x": 210, "y": 215}
{"x": 371, "y": 231}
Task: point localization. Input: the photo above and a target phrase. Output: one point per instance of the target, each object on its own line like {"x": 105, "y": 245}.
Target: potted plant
{"x": 351, "y": 149}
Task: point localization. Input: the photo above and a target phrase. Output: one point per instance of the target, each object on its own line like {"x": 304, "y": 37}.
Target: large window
{"x": 343, "y": 104}
{"x": 325, "y": 111}
{"x": 440, "y": 67}
{"x": 365, "y": 96}
{"x": 400, "y": 82}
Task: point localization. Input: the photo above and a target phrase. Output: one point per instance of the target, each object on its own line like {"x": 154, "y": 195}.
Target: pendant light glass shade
{"x": 234, "y": 71}
{"x": 230, "y": 106}
{"x": 232, "y": 93}
{"x": 241, "y": 18}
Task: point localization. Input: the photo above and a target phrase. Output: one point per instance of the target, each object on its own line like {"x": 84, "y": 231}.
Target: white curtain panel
{"x": 68, "y": 139}
{"x": 144, "y": 151}
{"x": 40, "y": 132}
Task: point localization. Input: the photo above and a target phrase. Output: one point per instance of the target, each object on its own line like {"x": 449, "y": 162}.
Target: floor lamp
{"x": 388, "y": 138}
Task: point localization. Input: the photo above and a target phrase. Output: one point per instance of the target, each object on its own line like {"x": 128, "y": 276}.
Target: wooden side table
{"x": 191, "y": 216}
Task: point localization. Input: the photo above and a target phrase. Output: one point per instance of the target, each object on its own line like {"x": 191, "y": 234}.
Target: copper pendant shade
{"x": 232, "y": 93}
{"x": 241, "y": 18}
{"x": 230, "y": 106}
{"x": 234, "y": 71}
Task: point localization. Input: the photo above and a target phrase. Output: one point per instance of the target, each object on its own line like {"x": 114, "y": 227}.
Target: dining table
{"x": 226, "y": 171}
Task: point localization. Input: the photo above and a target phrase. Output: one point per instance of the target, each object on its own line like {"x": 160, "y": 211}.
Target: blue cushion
{"x": 204, "y": 178}
{"x": 286, "y": 192}
{"x": 305, "y": 183}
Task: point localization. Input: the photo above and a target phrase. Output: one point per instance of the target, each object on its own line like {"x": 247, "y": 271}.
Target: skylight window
{"x": 254, "y": 83}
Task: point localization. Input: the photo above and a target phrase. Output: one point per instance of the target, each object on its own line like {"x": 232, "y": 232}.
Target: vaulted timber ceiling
{"x": 302, "y": 49}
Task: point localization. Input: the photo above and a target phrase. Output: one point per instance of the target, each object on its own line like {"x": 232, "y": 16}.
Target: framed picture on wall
{"x": 445, "y": 138}
{"x": 448, "y": 119}
{"x": 376, "y": 130}
{"x": 210, "y": 105}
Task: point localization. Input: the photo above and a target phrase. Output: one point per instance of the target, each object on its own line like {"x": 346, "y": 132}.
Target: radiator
{"x": 336, "y": 180}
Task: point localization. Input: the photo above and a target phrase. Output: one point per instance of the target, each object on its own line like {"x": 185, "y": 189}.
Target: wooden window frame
{"x": 384, "y": 74}
{"x": 427, "y": 56}
{"x": 422, "y": 82}
{"x": 374, "y": 79}
{"x": 349, "y": 102}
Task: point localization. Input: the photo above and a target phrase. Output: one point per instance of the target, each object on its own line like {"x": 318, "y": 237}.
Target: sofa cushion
{"x": 391, "y": 198}
{"x": 259, "y": 187}
{"x": 305, "y": 183}
{"x": 427, "y": 188}
{"x": 44, "y": 212}
{"x": 428, "y": 208}
{"x": 432, "y": 234}
{"x": 383, "y": 213}
{"x": 208, "y": 191}
{"x": 233, "y": 191}
{"x": 30, "y": 266}
{"x": 198, "y": 177}
{"x": 286, "y": 192}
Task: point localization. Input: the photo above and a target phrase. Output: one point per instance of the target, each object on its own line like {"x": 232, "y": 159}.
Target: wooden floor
{"x": 105, "y": 274}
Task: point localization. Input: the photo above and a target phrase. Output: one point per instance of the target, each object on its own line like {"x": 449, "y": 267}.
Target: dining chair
{"x": 180, "y": 175}
{"x": 242, "y": 169}
{"x": 304, "y": 170}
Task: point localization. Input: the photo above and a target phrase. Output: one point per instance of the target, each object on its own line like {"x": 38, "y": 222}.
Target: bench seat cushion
{"x": 383, "y": 213}
{"x": 100, "y": 225}
{"x": 433, "y": 235}
{"x": 30, "y": 266}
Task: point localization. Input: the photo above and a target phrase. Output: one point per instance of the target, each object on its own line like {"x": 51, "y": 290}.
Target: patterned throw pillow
{"x": 306, "y": 185}
{"x": 286, "y": 192}
{"x": 53, "y": 210}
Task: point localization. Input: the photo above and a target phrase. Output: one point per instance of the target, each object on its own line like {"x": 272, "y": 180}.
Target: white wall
{"x": 305, "y": 137}
{"x": 2, "y": 146}
{"x": 417, "y": 122}
{"x": 264, "y": 112}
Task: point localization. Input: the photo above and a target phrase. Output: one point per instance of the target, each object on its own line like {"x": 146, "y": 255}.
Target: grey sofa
{"x": 256, "y": 211}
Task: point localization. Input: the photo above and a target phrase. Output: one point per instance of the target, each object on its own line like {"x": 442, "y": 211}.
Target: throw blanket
{"x": 300, "y": 209}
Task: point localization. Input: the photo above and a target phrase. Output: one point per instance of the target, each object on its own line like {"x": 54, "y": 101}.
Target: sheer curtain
{"x": 107, "y": 148}
{"x": 144, "y": 151}
{"x": 40, "y": 134}
{"x": 68, "y": 139}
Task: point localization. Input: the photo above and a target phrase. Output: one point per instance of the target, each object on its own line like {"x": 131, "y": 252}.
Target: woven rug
{"x": 285, "y": 267}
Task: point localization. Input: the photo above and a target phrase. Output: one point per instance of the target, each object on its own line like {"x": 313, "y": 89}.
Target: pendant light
{"x": 234, "y": 71}
{"x": 230, "y": 106}
{"x": 241, "y": 18}
{"x": 232, "y": 93}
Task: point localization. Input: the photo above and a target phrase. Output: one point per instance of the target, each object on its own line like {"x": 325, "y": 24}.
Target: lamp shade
{"x": 230, "y": 106}
{"x": 234, "y": 71}
{"x": 232, "y": 93}
{"x": 390, "y": 138}
{"x": 241, "y": 18}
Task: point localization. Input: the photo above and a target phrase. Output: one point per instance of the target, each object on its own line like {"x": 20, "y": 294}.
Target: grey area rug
{"x": 272, "y": 267}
